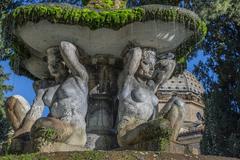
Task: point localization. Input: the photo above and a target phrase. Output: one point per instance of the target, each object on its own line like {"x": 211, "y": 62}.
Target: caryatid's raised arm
{"x": 164, "y": 69}
{"x": 132, "y": 61}
{"x": 70, "y": 56}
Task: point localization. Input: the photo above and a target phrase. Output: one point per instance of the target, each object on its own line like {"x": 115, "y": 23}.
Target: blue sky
{"x": 22, "y": 85}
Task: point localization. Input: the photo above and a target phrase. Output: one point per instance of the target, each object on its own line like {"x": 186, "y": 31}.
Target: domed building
{"x": 187, "y": 87}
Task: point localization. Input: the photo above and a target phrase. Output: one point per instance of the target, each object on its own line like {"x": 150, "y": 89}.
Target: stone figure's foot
{"x": 16, "y": 109}
{"x": 141, "y": 136}
{"x": 50, "y": 131}
{"x": 22, "y": 144}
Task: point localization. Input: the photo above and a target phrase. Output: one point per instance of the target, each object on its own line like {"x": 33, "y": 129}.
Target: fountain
{"x": 98, "y": 69}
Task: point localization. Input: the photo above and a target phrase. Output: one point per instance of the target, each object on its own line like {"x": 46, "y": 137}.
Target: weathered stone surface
{"x": 60, "y": 147}
{"x": 152, "y": 135}
{"x": 101, "y": 141}
{"x": 46, "y": 131}
{"x": 137, "y": 84}
{"x": 66, "y": 97}
{"x": 37, "y": 67}
{"x": 102, "y": 111}
{"x": 138, "y": 37}
{"x": 20, "y": 145}
{"x": 164, "y": 36}
{"x": 16, "y": 109}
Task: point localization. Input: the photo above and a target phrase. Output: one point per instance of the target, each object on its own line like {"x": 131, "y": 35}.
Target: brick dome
{"x": 185, "y": 82}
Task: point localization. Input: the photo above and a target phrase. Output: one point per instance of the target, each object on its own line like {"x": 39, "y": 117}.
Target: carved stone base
{"x": 100, "y": 141}
{"x": 26, "y": 146}
{"x": 19, "y": 145}
{"x": 60, "y": 147}
{"x": 151, "y": 145}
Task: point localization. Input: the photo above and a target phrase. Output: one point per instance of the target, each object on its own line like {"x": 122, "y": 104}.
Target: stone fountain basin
{"x": 39, "y": 27}
{"x": 165, "y": 36}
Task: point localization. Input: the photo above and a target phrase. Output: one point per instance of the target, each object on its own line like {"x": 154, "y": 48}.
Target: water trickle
{"x": 131, "y": 32}
{"x": 89, "y": 39}
{"x": 156, "y": 32}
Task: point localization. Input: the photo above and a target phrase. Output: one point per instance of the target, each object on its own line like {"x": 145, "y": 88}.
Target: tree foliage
{"x": 220, "y": 74}
{"x": 5, "y": 6}
{"x": 211, "y": 9}
{"x": 4, "y": 125}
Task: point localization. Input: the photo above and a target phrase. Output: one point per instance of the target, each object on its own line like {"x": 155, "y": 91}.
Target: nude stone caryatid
{"x": 66, "y": 97}
{"x": 138, "y": 83}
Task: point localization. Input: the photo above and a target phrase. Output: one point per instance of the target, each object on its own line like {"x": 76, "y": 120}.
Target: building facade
{"x": 187, "y": 87}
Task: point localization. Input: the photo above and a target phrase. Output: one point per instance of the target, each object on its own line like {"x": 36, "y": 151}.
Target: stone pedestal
{"x": 102, "y": 109}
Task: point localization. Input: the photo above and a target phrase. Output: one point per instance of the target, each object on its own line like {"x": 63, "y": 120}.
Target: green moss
{"x": 163, "y": 2}
{"x": 159, "y": 130}
{"x": 91, "y": 155}
{"x": 47, "y": 134}
{"x": 155, "y": 135}
{"x": 108, "y": 4}
{"x": 43, "y": 136}
{"x": 101, "y": 4}
{"x": 163, "y": 144}
{"x": 69, "y": 15}
{"x": 113, "y": 19}
{"x": 24, "y": 157}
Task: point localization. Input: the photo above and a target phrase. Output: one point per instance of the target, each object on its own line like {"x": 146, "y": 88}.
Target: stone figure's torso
{"x": 68, "y": 99}
{"x": 140, "y": 101}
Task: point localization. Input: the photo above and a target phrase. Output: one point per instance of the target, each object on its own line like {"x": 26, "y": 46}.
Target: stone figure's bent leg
{"x": 16, "y": 110}
{"x": 175, "y": 112}
{"x": 78, "y": 136}
{"x": 143, "y": 132}
{"x": 51, "y": 130}
{"x": 54, "y": 130}
{"x": 124, "y": 126}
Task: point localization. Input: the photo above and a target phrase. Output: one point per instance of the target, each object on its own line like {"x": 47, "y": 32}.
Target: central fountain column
{"x": 102, "y": 112}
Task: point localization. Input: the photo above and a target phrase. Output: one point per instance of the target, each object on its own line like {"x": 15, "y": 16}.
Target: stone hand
{"x": 41, "y": 84}
{"x": 40, "y": 93}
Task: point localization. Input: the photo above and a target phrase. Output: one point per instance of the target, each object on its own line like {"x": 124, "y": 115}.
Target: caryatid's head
{"x": 147, "y": 63}
{"x": 56, "y": 65}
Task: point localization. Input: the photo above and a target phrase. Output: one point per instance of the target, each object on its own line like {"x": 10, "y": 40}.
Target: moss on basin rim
{"x": 112, "y": 19}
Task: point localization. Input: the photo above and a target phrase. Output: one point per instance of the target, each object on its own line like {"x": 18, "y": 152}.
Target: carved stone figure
{"x": 66, "y": 97}
{"x": 138, "y": 82}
